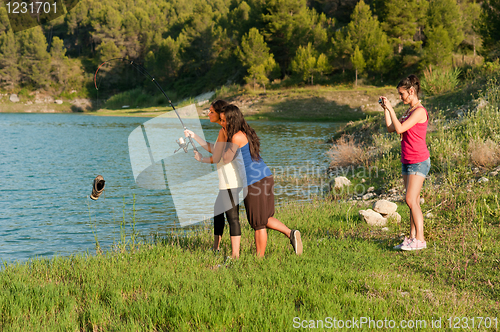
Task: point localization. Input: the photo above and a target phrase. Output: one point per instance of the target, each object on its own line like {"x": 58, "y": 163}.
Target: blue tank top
{"x": 255, "y": 170}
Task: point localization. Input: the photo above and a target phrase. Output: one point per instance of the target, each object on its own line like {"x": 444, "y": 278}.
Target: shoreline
{"x": 311, "y": 104}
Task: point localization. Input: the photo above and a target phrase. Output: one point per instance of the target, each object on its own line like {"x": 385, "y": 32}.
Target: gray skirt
{"x": 259, "y": 202}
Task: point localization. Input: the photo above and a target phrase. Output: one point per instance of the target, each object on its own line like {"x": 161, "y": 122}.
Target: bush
{"x": 437, "y": 81}
{"x": 137, "y": 98}
{"x": 484, "y": 153}
{"x": 346, "y": 152}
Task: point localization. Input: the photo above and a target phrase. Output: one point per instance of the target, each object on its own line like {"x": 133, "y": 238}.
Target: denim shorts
{"x": 421, "y": 168}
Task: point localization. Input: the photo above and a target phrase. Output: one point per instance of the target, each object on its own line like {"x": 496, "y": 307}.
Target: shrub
{"x": 138, "y": 98}
{"x": 346, "y": 152}
{"x": 438, "y": 81}
{"x": 484, "y": 153}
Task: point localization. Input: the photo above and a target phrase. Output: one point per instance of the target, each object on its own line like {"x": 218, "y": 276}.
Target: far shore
{"x": 312, "y": 104}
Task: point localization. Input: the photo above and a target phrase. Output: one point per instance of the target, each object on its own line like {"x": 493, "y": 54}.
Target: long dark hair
{"x": 218, "y": 105}
{"x": 235, "y": 122}
{"x": 411, "y": 81}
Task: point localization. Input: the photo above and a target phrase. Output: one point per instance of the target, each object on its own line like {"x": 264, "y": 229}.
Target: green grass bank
{"x": 347, "y": 270}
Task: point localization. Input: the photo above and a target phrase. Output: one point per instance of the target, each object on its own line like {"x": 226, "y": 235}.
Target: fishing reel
{"x": 182, "y": 145}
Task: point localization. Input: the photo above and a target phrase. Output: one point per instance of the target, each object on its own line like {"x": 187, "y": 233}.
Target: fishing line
{"x": 144, "y": 72}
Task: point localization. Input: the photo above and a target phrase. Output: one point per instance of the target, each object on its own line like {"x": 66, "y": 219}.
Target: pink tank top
{"x": 413, "y": 147}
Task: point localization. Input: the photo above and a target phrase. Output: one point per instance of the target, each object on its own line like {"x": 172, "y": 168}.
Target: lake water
{"x": 48, "y": 163}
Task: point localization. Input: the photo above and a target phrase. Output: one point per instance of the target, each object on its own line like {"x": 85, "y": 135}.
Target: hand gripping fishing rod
{"x": 182, "y": 144}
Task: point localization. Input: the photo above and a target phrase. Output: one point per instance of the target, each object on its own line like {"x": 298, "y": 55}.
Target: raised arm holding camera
{"x": 415, "y": 157}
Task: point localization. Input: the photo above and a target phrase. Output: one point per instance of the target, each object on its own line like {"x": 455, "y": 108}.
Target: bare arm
{"x": 385, "y": 104}
{"x": 217, "y": 150}
{"x": 230, "y": 153}
{"x": 417, "y": 116}
{"x": 388, "y": 121}
{"x": 204, "y": 144}
{"x": 219, "y": 147}
{"x": 238, "y": 141}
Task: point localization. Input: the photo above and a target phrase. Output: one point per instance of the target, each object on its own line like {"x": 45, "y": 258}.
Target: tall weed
{"x": 490, "y": 95}
{"x": 484, "y": 153}
{"x": 346, "y": 152}
{"x": 437, "y": 80}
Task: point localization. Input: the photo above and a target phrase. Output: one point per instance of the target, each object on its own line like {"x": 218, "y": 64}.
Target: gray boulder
{"x": 341, "y": 181}
{"x": 372, "y": 218}
{"x": 385, "y": 207}
{"x": 14, "y": 98}
{"x": 368, "y": 196}
{"x": 396, "y": 217}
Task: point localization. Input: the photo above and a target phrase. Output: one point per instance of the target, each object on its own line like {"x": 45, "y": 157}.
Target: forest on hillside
{"x": 197, "y": 45}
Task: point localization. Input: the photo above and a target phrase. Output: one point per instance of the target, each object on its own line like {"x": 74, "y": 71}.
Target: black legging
{"x": 227, "y": 202}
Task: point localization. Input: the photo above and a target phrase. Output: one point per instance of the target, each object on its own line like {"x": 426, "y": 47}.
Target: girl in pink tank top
{"x": 412, "y": 127}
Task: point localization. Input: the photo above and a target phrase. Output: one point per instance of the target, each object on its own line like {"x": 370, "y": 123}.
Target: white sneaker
{"x": 296, "y": 241}
{"x": 414, "y": 245}
{"x": 405, "y": 242}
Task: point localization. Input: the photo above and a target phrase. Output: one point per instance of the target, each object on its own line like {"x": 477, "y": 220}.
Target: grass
{"x": 137, "y": 98}
{"x": 437, "y": 81}
{"x": 347, "y": 270}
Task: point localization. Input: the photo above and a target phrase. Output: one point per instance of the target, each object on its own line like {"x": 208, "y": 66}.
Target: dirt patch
{"x": 313, "y": 104}
{"x": 81, "y": 104}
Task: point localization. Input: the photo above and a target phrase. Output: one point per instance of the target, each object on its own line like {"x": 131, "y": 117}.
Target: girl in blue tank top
{"x": 259, "y": 195}
{"x": 255, "y": 170}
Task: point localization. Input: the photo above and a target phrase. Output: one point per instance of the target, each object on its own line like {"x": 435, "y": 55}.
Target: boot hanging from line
{"x": 98, "y": 187}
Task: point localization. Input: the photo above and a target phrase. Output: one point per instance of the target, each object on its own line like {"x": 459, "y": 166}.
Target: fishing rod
{"x": 182, "y": 144}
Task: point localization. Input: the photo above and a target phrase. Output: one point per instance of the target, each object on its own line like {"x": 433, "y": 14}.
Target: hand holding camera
{"x": 384, "y": 103}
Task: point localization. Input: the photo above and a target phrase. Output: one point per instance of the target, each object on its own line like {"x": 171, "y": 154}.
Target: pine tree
{"x": 58, "y": 61}
{"x": 447, "y": 14}
{"x": 79, "y": 29}
{"x": 243, "y": 16}
{"x": 198, "y": 54}
{"x": 165, "y": 61}
{"x": 471, "y": 12}
{"x": 321, "y": 28}
{"x": 288, "y": 26}
{"x": 358, "y": 62}
{"x": 111, "y": 74}
{"x": 401, "y": 19}
{"x": 108, "y": 50}
{"x": 254, "y": 54}
{"x": 9, "y": 70}
{"x": 253, "y": 50}
{"x": 35, "y": 60}
{"x": 307, "y": 63}
{"x": 490, "y": 29}
{"x": 439, "y": 47}
{"x": 342, "y": 49}
{"x": 365, "y": 32}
